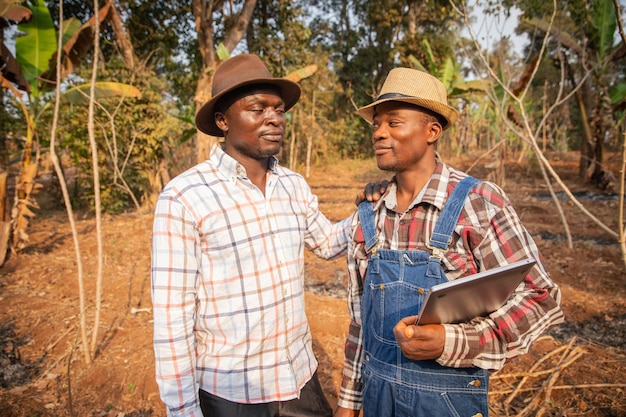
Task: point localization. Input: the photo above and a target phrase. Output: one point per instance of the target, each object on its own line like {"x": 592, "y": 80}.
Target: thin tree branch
{"x": 66, "y": 196}
{"x": 96, "y": 181}
{"x": 529, "y": 135}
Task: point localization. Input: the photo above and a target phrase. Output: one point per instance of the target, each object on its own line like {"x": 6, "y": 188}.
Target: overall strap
{"x": 366, "y": 216}
{"x": 442, "y": 235}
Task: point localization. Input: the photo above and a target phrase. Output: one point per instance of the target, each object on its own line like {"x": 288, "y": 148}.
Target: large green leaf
{"x": 416, "y": 63}
{"x": 103, "y": 89}
{"x": 70, "y": 27}
{"x": 618, "y": 93}
{"x": 604, "y": 22}
{"x": 432, "y": 67}
{"x": 80, "y": 93}
{"x": 77, "y": 41}
{"x": 447, "y": 74}
{"x": 35, "y": 48}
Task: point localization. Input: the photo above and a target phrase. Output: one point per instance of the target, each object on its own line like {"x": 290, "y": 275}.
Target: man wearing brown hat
{"x": 433, "y": 224}
{"x": 231, "y": 337}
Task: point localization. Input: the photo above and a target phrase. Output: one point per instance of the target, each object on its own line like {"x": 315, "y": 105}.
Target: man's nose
{"x": 379, "y": 133}
{"x": 274, "y": 116}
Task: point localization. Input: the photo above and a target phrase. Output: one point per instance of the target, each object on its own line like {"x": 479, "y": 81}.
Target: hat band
{"x": 442, "y": 119}
{"x": 393, "y": 95}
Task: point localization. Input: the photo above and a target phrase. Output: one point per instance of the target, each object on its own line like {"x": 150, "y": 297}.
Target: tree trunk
{"x": 586, "y": 146}
{"x": 203, "y": 14}
{"x": 123, "y": 40}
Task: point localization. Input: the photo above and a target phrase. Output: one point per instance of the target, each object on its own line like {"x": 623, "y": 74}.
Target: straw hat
{"x": 239, "y": 71}
{"x": 416, "y": 87}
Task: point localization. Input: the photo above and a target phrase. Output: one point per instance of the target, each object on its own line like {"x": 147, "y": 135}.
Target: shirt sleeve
{"x": 351, "y": 391}
{"x": 533, "y": 308}
{"x": 323, "y": 238}
{"x": 174, "y": 281}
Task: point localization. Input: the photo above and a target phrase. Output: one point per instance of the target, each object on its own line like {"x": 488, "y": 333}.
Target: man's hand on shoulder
{"x": 373, "y": 191}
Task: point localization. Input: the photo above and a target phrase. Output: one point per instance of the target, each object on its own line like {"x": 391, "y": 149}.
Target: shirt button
{"x": 420, "y": 291}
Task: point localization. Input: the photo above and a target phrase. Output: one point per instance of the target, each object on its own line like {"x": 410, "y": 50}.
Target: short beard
{"x": 260, "y": 153}
{"x": 387, "y": 167}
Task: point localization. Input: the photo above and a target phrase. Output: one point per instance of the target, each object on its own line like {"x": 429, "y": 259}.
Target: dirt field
{"x": 576, "y": 370}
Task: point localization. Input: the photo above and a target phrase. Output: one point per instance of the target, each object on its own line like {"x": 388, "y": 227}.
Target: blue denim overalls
{"x": 395, "y": 287}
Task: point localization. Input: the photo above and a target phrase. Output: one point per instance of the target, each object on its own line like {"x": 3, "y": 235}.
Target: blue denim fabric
{"x": 395, "y": 286}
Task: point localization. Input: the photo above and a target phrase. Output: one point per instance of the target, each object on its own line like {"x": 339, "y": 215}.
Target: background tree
{"x": 584, "y": 37}
{"x": 171, "y": 48}
{"x": 526, "y": 127}
{"x": 216, "y": 22}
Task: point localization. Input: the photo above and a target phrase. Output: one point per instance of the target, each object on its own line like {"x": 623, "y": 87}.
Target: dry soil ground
{"x": 575, "y": 370}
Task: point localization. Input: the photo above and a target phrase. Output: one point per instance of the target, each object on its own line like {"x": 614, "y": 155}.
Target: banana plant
{"x": 596, "y": 47}
{"x": 36, "y": 56}
{"x": 449, "y": 73}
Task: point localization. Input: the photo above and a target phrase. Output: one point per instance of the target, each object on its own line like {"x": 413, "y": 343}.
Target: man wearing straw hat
{"x": 231, "y": 337}
{"x": 433, "y": 224}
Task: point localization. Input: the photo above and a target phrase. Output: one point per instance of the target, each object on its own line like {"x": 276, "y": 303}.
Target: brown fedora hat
{"x": 239, "y": 71}
{"x": 416, "y": 87}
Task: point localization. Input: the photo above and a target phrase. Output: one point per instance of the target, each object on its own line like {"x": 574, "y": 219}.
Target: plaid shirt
{"x": 488, "y": 234}
{"x": 227, "y": 284}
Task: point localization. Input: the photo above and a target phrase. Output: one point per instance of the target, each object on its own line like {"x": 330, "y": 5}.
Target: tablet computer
{"x": 475, "y": 295}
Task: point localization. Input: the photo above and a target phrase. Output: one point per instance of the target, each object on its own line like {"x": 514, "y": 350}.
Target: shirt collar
{"x": 232, "y": 169}
{"x": 434, "y": 194}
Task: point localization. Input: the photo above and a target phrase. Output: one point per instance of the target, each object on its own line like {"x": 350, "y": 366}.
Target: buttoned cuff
{"x": 452, "y": 345}
{"x": 350, "y": 399}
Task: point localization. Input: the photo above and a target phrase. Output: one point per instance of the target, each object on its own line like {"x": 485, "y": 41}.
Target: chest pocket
{"x": 396, "y": 285}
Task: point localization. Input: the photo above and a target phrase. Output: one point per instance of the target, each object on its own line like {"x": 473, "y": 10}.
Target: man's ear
{"x": 220, "y": 121}
{"x": 434, "y": 132}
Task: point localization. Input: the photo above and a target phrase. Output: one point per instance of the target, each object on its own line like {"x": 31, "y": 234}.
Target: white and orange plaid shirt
{"x": 227, "y": 284}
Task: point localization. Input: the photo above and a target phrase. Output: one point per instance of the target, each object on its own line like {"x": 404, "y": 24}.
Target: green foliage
{"x": 80, "y": 94}
{"x": 604, "y": 23}
{"x": 353, "y": 45}
{"x": 585, "y": 31}
{"x": 131, "y": 133}
{"x": 361, "y": 41}
{"x": 36, "y": 47}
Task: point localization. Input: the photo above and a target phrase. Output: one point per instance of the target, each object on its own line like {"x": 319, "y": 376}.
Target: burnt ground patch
{"x": 605, "y": 330}
{"x": 13, "y": 371}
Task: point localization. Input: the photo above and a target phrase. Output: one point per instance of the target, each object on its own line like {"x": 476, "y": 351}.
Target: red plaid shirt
{"x": 488, "y": 234}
